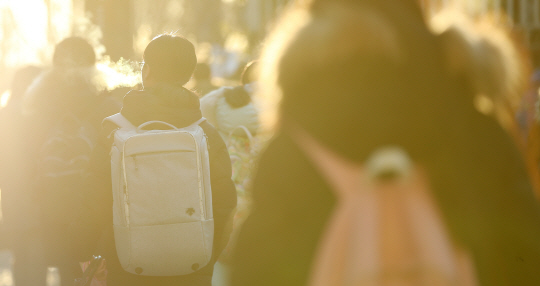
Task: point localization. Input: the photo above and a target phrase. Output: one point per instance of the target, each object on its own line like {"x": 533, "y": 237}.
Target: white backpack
{"x": 162, "y": 200}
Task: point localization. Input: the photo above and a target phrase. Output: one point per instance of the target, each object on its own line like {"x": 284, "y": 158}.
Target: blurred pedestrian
{"x": 235, "y": 115}
{"x": 63, "y": 110}
{"x": 203, "y": 79}
{"x": 169, "y": 62}
{"x": 229, "y": 108}
{"x": 342, "y": 99}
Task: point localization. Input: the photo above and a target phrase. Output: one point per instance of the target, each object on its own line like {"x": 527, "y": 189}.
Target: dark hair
{"x": 202, "y": 71}
{"x": 340, "y": 88}
{"x": 74, "y": 52}
{"x": 171, "y": 59}
{"x": 237, "y": 97}
{"x": 248, "y": 75}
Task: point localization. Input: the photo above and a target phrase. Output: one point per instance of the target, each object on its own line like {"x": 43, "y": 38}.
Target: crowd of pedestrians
{"x": 393, "y": 160}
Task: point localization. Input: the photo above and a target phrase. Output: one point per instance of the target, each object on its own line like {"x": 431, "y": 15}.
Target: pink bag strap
{"x": 381, "y": 231}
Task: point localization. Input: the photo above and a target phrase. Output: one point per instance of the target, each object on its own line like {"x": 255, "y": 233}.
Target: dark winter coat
{"x": 55, "y": 96}
{"x": 93, "y": 229}
{"x": 475, "y": 171}
{"x": 44, "y": 207}
{"x": 481, "y": 187}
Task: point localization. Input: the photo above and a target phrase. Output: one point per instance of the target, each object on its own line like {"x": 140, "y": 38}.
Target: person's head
{"x": 380, "y": 87}
{"x": 202, "y": 72}
{"x": 168, "y": 59}
{"x": 74, "y": 52}
{"x": 492, "y": 63}
{"x": 389, "y": 84}
{"x": 249, "y": 74}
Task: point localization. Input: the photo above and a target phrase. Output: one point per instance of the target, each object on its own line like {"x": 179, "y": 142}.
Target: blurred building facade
{"x": 521, "y": 16}
{"x": 122, "y": 28}
{"x": 518, "y": 14}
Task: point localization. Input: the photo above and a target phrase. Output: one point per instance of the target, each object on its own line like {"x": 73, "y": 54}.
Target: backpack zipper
{"x": 204, "y": 181}
{"x": 125, "y": 203}
{"x": 199, "y": 179}
{"x": 207, "y": 145}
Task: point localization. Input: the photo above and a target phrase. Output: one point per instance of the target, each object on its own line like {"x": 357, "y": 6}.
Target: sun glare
{"x": 29, "y": 31}
{"x": 30, "y": 27}
{"x": 4, "y": 98}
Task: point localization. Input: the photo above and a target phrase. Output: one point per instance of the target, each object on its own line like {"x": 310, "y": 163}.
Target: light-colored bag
{"x": 386, "y": 228}
{"x": 227, "y": 119}
{"x": 162, "y": 210}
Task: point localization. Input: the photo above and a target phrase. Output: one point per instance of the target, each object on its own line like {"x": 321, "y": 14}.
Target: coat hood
{"x": 59, "y": 90}
{"x": 169, "y": 103}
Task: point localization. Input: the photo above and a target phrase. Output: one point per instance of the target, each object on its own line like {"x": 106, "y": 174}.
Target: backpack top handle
{"x": 139, "y": 129}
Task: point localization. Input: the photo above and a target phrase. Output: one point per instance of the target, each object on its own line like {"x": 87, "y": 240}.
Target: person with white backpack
{"x": 160, "y": 194}
{"x": 231, "y": 108}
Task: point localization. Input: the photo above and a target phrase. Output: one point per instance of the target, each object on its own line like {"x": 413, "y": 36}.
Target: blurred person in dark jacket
{"x": 62, "y": 111}
{"x": 203, "y": 79}
{"x": 231, "y": 107}
{"x": 393, "y": 83}
{"x": 169, "y": 62}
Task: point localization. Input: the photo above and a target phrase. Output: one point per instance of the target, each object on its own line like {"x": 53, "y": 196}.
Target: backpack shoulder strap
{"x": 119, "y": 120}
{"x": 198, "y": 122}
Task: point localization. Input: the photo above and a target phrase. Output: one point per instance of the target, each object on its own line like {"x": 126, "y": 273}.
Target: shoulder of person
{"x": 215, "y": 94}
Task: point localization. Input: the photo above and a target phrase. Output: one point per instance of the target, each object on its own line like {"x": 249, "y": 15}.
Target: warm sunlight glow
{"x": 1, "y": 214}
{"x": 29, "y": 28}
{"x": 484, "y": 104}
{"x": 30, "y": 33}
{"x": 4, "y": 98}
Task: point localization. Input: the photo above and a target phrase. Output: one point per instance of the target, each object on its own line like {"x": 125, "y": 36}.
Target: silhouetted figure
{"x": 169, "y": 62}
{"x": 229, "y": 108}
{"x": 203, "y": 79}
{"x": 63, "y": 110}
{"x": 356, "y": 76}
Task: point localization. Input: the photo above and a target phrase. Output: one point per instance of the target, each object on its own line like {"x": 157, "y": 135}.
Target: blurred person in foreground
{"x": 203, "y": 79}
{"x": 394, "y": 83}
{"x": 63, "y": 110}
{"x": 20, "y": 219}
{"x": 169, "y": 62}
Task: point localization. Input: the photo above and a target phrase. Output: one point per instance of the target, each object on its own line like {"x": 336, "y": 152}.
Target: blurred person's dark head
{"x": 394, "y": 80}
{"x": 203, "y": 79}
{"x": 238, "y": 96}
{"x": 202, "y": 72}
{"x": 70, "y": 86}
{"x": 168, "y": 59}
{"x": 74, "y": 52}
{"x": 383, "y": 86}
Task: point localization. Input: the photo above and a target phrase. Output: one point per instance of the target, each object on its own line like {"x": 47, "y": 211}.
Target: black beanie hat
{"x": 171, "y": 59}
{"x": 74, "y": 52}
